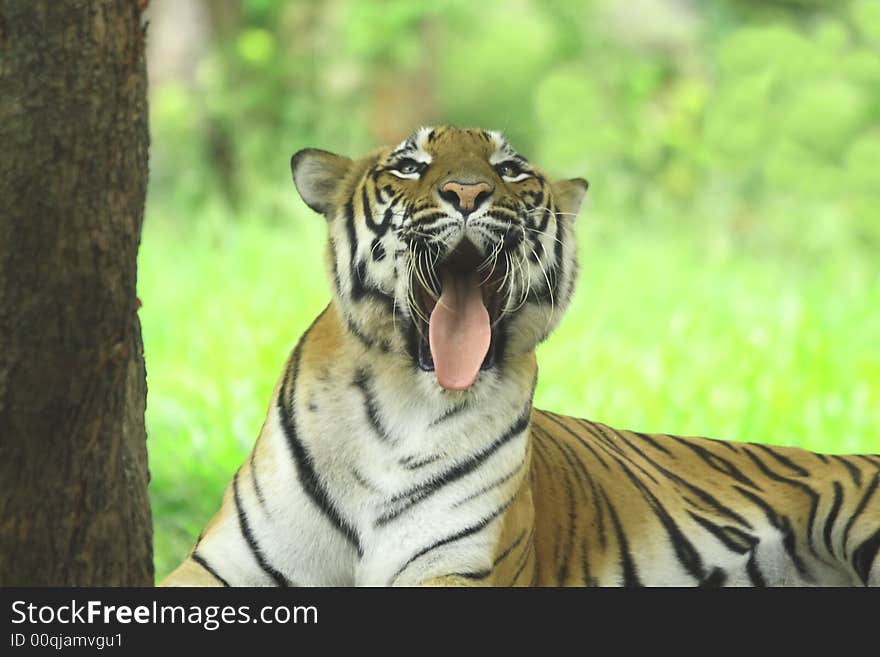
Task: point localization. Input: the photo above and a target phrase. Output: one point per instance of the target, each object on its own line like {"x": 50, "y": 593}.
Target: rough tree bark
{"x": 74, "y": 508}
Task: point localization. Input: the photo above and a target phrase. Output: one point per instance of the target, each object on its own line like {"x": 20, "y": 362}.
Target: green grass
{"x": 668, "y": 332}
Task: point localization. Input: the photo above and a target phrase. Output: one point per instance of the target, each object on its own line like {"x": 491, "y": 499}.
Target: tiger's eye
{"x": 408, "y": 166}
{"x": 509, "y": 169}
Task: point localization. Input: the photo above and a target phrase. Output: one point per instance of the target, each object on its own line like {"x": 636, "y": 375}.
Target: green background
{"x": 729, "y": 240}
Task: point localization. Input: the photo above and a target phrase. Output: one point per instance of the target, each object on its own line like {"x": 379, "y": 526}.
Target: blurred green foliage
{"x": 745, "y": 111}
{"x": 730, "y": 240}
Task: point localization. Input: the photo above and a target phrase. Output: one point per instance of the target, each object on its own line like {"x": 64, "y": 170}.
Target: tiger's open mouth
{"x": 456, "y": 332}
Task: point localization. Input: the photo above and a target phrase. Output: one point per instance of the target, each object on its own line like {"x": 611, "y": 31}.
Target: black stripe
{"x": 480, "y": 574}
{"x": 305, "y": 470}
{"x": 563, "y": 560}
{"x": 810, "y": 493}
{"x": 362, "y": 481}
{"x": 244, "y": 526}
{"x": 782, "y": 524}
{"x": 609, "y": 440}
{"x": 724, "y": 443}
{"x": 524, "y": 558}
{"x": 630, "y": 572}
{"x": 367, "y": 210}
{"x": 422, "y": 224}
{"x": 410, "y": 462}
{"x": 199, "y": 559}
{"x": 510, "y": 548}
{"x": 737, "y": 541}
{"x": 582, "y": 474}
{"x": 504, "y": 216}
{"x": 379, "y": 228}
{"x": 539, "y": 201}
{"x": 853, "y": 470}
{"x": 864, "y": 556}
{"x": 564, "y": 549}
{"x": 422, "y": 491}
{"x": 716, "y": 462}
{"x": 362, "y": 383}
{"x": 832, "y": 515}
{"x": 464, "y": 533}
{"x": 784, "y": 460}
{"x": 723, "y": 534}
{"x": 714, "y": 579}
{"x": 598, "y": 508}
{"x": 577, "y": 469}
{"x": 870, "y": 458}
{"x": 702, "y": 494}
{"x": 337, "y": 281}
{"x": 650, "y": 440}
{"x": 485, "y": 573}
{"x": 863, "y": 503}
{"x": 491, "y": 486}
{"x": 368, "y": 342}
{"x": 360, "y": 289}
{"x": 687, "y": 555}
{"x": 540, "y": 432}
{"x": 754, "y": 571}
{"x": 556, "y": 266}
{"x": 705, "y": 497}
{"x": 622, "y": 435}
{"x": 586, "y": 577}
{"x": 383, "y": 192}
{"x": 357, "y": 269}
{"x": 545, "y": 219}
{"x": 357, "y": 272}
{"x": 615, "y": 433}
{"x": 351, "y": 233}
{"x": 580, "y": 439}
{"x": 257, "y": 489}
{"x": 449, "y": 413}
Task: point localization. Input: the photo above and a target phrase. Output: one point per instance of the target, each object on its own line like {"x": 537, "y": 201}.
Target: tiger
{"x": 401, "y": 446}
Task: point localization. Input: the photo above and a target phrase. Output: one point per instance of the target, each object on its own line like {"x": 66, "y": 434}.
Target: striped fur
{"x": 366, "y": 472}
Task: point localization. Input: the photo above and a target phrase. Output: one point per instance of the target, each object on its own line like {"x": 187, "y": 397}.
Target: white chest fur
{"x": 421, "y": 475}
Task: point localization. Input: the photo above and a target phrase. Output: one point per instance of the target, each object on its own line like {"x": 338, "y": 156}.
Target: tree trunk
{"x": 74, "y": 508}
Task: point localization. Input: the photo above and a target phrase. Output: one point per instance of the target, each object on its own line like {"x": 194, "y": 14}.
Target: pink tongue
{"x": 459, "y": 332}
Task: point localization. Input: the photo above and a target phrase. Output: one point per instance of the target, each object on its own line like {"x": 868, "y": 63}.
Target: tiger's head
{"x": 449, "y": 250}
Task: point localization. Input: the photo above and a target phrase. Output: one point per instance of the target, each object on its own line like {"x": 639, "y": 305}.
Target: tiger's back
{"x": 628, "y": 508}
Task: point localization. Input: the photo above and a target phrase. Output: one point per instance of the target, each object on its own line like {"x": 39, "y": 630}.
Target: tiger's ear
{"x": 568, "y": 194}
{"x": 317, "y": 175}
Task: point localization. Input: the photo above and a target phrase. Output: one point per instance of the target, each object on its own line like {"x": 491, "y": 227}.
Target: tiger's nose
{"x": 465, "y": 197}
